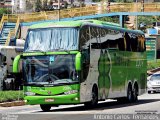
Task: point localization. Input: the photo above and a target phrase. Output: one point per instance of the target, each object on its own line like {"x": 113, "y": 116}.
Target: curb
{"x": 10, "y": 104}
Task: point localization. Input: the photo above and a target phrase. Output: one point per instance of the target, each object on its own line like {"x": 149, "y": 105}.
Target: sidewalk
{"x": 10, "y": 104}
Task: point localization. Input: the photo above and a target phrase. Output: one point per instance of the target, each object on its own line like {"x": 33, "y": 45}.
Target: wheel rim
{"x": 129, "y": 94}
{"x": 135, "y": 93}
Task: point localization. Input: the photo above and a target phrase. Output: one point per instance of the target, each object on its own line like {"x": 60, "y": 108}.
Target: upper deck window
{"x": 52, "y": 39}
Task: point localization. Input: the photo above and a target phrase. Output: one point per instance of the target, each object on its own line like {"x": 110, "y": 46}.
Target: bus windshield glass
{"x": 53, "y": 69}
{"x": 52, "y": 39}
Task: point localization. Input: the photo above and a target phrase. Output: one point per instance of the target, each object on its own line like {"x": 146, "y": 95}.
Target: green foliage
{"x": 45, "y": 4}
{"x": 7, "y": 96}
{"x": 4, "y": 11}
{"x": 65, "y": 4}
{"x": 96, "y": 0}
{"x": 29, "y": 5}
{"x": 110, "y": 19}
{"x": 153, "y": 64}
{"x": 38, "y": 6}
{"x": 148, "y": 20}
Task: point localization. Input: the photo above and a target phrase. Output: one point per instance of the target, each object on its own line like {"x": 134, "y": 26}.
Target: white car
{"x": 153, "y": 83}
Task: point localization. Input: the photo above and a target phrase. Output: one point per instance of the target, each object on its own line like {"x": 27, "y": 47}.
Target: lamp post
{"x": 12, "y": 3}
{"x": 108, "y": 6}
{"x": 142, "y": 6}
{"x": 58, "y": 10}
{"x": 136, "y": 15}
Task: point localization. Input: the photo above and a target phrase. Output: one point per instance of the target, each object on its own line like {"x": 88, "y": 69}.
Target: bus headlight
{"x": 71, "y": 92}
{"x": 29, "y": 93}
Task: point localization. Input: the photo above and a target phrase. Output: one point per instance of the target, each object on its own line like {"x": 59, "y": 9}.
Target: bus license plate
{"x": 49, "y": 100}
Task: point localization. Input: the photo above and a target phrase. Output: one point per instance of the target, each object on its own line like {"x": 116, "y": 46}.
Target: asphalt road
{"x": 147, "y": 104}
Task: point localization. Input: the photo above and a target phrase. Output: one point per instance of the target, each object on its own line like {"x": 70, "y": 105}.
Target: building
{"x": 5, "y": 4}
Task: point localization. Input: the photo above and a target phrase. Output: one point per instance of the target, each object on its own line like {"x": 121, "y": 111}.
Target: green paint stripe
{"x": 61, "y": 99}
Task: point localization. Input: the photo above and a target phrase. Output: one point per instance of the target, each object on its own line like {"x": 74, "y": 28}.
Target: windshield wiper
{"x": 53, "y": 50}
{"x": 38, "y": 51}
{"x": 34, "y": 84}
{"x": 65, "y": 81}
{"x": 60, "y": 49}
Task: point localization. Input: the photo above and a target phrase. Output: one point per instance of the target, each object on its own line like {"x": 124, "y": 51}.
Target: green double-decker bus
{"x": 85, "y": 61}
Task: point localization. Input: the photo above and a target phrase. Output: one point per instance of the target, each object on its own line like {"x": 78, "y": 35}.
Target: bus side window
{"x": 144, "y": 43}
{"x": 134, "y": 43}
{"x": 121, "y": 42}
{"x": 109, "y": 39}
{"x": 84, "y": 38}
{"x": 85, "y": 49}
{"x": 94, "y": 38}
{"x": 103, "y": 38}
{"x": 141, "y": 45}
{"x": 127, "y": 41}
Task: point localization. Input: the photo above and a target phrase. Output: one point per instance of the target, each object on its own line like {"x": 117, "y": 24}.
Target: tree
{"x": 29, "y": 5}
{"x": 65, "y": 4}
{"x": 4, "y": 11}
{"x": 38, "y": 6}
{"x": 45, "y": 4}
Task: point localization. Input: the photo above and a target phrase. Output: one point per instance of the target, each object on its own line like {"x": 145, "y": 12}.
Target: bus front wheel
{"x": 94, "y": 100}
{"x": 135, "y": 93}
{"x": 45, "y": 108}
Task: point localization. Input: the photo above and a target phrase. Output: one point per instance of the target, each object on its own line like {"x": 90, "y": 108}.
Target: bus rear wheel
{"x": 129, "y": 94}
{"x": 135, "y": 93}
{"x": 94, "y": 100}
{"x": 45, "y": 108}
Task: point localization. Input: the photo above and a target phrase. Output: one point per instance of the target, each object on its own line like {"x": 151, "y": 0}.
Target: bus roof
{"x": 80, "y": 23}
{"x": 71, "y": 24}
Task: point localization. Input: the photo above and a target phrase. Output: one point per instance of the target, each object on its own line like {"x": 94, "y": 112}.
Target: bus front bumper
{"x": 57, "y": 100}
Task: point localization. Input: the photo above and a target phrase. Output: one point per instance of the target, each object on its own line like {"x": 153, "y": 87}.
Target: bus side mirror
{"x": 16, "y": 64}
{"x": 78, "y": 61}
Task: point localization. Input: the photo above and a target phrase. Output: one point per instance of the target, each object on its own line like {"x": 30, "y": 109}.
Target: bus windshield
{"x": 51, "y": 39}
{"x": 51, "y": 69}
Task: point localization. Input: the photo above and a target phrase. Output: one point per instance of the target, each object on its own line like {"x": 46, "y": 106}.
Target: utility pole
{"x": 136, "y": 15}
{"x": 59, "y": 10}
{"x": 142, "y": 6}
{"x": 12, "y": 3}
{"x": 108, "y": 6}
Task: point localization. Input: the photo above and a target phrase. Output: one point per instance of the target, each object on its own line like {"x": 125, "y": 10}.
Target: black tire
{"x": 121, "y": 100}
{"x": 94, "y": 100}
{"x": 149, "y": 92}
{"x": 135, "y": 93}
{"x": 129, "y": 94}
{"x": 45, "y": 108}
